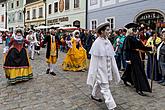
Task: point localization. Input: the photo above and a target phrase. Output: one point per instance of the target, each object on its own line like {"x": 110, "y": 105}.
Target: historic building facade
{"x": 15, "y": 14}
{"x": 121, "y": 12}
{"x": 66, "y": 12}
{"x": 35, "y": 13}
{"x": 2, "y": 13}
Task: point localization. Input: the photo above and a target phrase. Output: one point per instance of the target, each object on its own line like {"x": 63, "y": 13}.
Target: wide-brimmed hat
{"x": 100, "y": 26}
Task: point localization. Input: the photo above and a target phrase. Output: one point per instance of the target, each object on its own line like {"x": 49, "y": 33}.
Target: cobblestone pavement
{"x": 68, "y": 91}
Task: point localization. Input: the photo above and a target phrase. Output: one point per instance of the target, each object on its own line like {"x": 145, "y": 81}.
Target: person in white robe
{"x": 33, "y": 40}
{"x": 103, "y": 67}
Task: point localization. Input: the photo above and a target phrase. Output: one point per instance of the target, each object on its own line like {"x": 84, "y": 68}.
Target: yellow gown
{"x": 76, "y": 59}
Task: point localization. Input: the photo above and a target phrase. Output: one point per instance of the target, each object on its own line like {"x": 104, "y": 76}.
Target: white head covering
{"x": 76, "y": 31}
{"x": 102, "y": 25}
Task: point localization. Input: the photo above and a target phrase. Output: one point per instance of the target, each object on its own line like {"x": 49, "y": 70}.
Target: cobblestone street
{"x": 68, "y": 91}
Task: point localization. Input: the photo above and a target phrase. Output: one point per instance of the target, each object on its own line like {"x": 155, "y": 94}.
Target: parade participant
{"x": 1, "y": 38}
{"x": 17, "y": 66}
{"x": 52, "y": 50}
{"x": 161, "y": 58}
{"x": 154, "y": 40}
{"x": 32, "y": 39}
{"x": 135, "y": 73}
{"x": 103, "y": 66}
{"x": 37, "y": 44}
{"x": 76, "y": 58}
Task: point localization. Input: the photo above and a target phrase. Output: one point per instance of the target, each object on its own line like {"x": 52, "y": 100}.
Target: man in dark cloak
{"x": 135, "y": 73}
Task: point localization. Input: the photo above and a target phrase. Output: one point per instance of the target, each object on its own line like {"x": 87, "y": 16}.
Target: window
{"x": 20, "y": 16}
{"x": 2, "y": 5}
{"x": 12, "y": 5}
{"x": 28, "y": 15}
{"x": 2, "y": 19}
{"x": 93, "y": 2}
{"x": 17, "y": 3}
{"x": 41, "y": 12}
{"x": 56, "y": 7}
{"x": 34, "y": 14}
{"x": 66, "y": 4}
{"x": 13, "y": 18}
{"x": 93, "y": 24}
{"x": 76, "y": 24}
{"x": 76, "y": 3}
{"x": 50, "y": 9}
{"x": 111, "y": 20}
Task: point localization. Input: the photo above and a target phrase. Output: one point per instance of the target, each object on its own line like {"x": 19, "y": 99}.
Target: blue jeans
{"x": 120, "y": 60}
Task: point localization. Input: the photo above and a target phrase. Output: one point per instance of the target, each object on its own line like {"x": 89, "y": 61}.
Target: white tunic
{"x": 103, "y": 67}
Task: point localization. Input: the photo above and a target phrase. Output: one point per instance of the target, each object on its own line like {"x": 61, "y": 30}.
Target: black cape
{"x": 135, "y": 73}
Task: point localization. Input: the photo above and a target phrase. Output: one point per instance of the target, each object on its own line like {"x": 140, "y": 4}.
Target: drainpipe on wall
{"x": 6, "y": 14}
{"x": 45, "y": 12}
{"x": 86, "y": 14}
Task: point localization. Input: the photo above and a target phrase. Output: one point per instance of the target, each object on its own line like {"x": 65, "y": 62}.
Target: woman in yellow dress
{"x": 76, "y": 58}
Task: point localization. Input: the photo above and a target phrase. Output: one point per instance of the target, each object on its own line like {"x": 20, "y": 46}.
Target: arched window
{"x": 76, "y": 23}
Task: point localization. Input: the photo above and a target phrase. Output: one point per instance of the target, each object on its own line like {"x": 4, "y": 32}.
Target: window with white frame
{"x": 76, "y": 3}
{"x": 12, "y": 5}
{"x": 2, "y": 18}
{"x": 50, "y": 9}
{"x": 41, "y": 12}
{"x": 20, "y": 16}
{"x": 93, "y": 2}
{"x": 67, "y": 4}
{"x": 93, "y": 24}
{"x": 111, "y": 20}
{"x": 28, "y": 15}
{"x": 34, "y": 14}
{"x": 55, "y": 7}
{"x": 17, "y": 3}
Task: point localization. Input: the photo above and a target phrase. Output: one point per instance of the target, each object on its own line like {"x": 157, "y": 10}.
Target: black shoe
{"x": 98, "y": 100}
{"x": 125, "y": 82}
{"x": 52, "y": 73}
{"x": 141, "y": 93}
{"x": 47, "y": 71}
{"x": 161, "y": 81}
